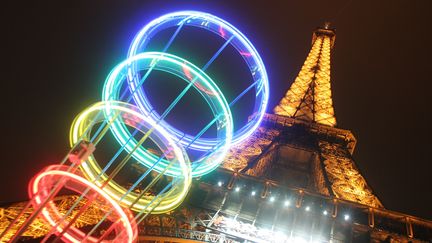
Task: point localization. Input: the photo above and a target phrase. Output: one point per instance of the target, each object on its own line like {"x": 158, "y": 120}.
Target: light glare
{"x": 346, "y": 217}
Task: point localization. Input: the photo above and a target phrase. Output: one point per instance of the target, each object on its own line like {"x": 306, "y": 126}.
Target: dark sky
{"x": 55, "y": 58}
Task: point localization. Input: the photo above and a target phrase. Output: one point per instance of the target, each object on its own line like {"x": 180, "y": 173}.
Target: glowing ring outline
{"x": 35, "y": 186}
{"x": 92, "y": 170}
{"x": 217, "y": 103}
{"x": 225, "y": 30}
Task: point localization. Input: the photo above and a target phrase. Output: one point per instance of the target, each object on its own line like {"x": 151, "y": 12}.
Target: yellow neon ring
{"x": 91, "y": 169}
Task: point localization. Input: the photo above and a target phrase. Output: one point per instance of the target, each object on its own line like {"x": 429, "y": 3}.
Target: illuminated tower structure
{"x": 293, "y": 180}
{"x": 306, "y": 151}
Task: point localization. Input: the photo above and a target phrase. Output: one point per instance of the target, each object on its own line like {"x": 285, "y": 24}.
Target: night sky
{"x": 56, "y": 56}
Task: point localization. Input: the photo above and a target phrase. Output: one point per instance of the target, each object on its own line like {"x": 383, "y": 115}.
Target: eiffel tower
{"x": 293, "y": 180}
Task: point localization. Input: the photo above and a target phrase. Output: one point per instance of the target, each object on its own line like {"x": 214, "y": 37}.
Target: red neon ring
{"x": 42, "y": 184}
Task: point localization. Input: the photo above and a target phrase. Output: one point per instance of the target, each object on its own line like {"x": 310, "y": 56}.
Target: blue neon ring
{"x": 239, "y": 42}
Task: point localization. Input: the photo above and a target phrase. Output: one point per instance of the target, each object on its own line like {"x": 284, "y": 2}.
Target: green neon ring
{"x": 189, "y": 73}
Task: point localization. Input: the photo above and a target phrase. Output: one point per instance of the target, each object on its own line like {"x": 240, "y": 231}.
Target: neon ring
{"x": 119, "y": 114}
{"x": 195, "y": 77}
{"x": 41, "y": 186}
{"x": 228, "y": 32}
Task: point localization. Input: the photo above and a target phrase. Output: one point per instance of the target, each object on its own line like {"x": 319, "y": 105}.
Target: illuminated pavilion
{"x": 293, "y": 180}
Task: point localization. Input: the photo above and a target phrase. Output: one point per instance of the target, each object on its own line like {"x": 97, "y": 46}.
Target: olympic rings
{"x": 226, "y": 31}
{"x": 195, "y": 77}
{"x": 115, "y": 113}
{"x": 39, "y": 189}
{"x": 118, "y": 115}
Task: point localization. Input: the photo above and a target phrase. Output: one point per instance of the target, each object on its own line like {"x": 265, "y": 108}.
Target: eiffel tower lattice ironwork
{"x": 309, "y": 97}
{"x": 308, "y": 102}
